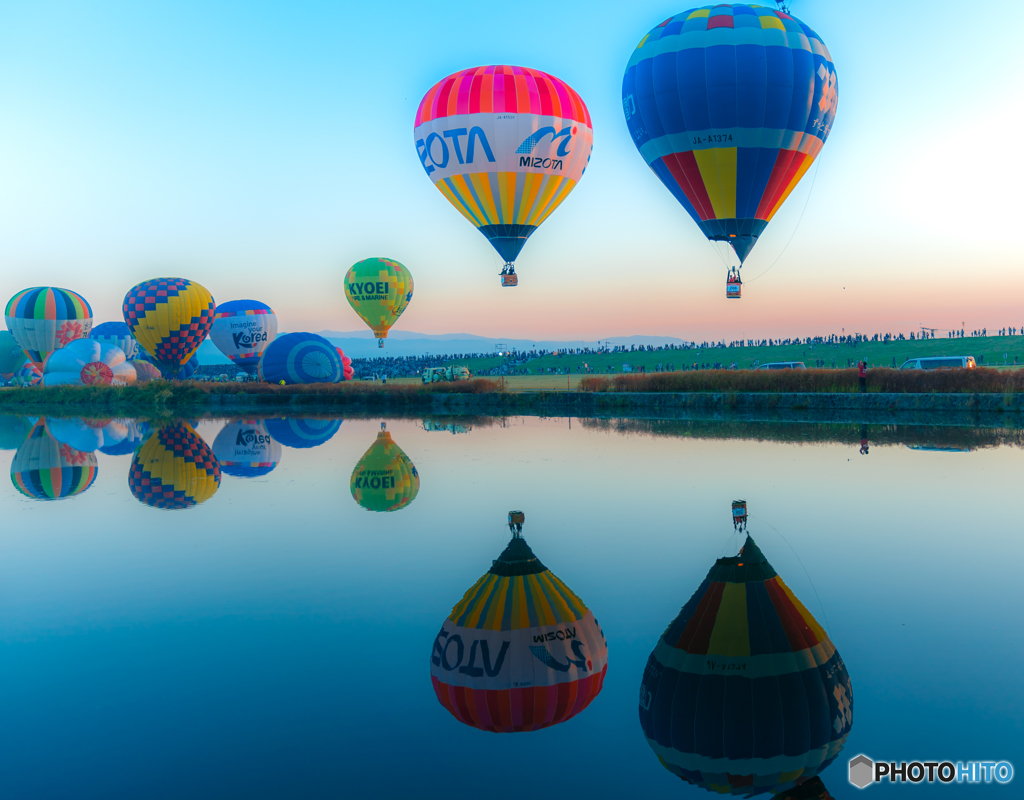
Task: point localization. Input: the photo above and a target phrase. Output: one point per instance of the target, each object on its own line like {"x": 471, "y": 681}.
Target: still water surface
{"x": 274, "y": 639}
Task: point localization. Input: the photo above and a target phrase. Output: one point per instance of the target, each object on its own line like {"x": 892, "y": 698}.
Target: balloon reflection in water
{"x": 13, "y": 431}
{"x": 45, "y": 469}
{"x": 245, "y": 449}
{"x": 302, "y": 433}
{"x": 135, "y": 432}
{"x": 745, "y": 693}
{"x": 384, "y": 479}
{"x": 175, "y": 468}
{"x": 520, "y": 651}
{"x": 87, "y": 434}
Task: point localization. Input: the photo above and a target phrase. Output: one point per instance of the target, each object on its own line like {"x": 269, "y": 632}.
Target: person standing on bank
{"x": 862, "y": 375}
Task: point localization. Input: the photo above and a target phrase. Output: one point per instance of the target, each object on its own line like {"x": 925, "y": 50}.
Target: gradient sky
{"x": 261, "y": 148}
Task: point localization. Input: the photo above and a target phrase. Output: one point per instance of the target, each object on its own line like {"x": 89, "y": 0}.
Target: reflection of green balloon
{"x": 11, "y": 355}
{"x": 13, "y": 431}
{"x": 384, "y": 479}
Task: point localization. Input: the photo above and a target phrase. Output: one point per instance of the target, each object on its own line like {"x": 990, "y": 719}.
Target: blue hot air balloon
{"x": 116, "y": 333}
{"x": 300, "y": 358}
{"x": 729, "y": 105}
{"x": 242, "y": 330}
{"x": 302, "y": 433}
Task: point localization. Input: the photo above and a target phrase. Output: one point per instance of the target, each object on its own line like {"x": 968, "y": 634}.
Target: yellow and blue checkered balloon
{"x": 170, "y": 318}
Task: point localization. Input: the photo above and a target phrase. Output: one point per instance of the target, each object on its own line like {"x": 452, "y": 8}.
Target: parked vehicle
{"x": 940, "y": 362}
{"x": 784, "y": 365}
{"x": 435, "y": 374}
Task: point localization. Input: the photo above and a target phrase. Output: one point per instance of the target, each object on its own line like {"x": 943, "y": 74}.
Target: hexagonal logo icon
{"x": 862, "y": 771}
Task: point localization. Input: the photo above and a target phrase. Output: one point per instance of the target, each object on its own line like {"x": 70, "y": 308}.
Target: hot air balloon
{"x": 88, "y": 362}
{"x": 116, "y": 333}
{"x": 505, "y": 145}
{"x": 29, "y": 375}
{"x": 745, "y": 692}
{"x": 169, "y": 317}
{"x": 45, "y": 469}
{"x": 86, "y": 435}
{"x": 242, "y": 330}
{"x": 184, "y": 372}
{"x": 146, "y": 371}
{"x": 384, "y": 479}
{"x": 379, "y": 290}
{"x": 729, "y": 105}
{"x": 46, "y": 318}
{"x": 174, "y": 469}
{"x": 245, "y": 449}
{"x": 300, "y": 358}
{"x": 346, "y": 365}
{"x": 302, "y": 433}
{"x": 520, "y": 651}
{"x": 11, "y": 355}
{"x": 13, "y": 430}
{"x": 135, "y": 432}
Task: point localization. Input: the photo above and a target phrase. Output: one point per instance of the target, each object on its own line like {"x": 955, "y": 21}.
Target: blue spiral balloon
{"x": 302, "y": 433}
{"x": 300, "y": 358}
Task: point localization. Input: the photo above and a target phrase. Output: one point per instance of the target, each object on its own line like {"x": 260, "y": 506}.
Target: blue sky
{"x": 261, "y": 148}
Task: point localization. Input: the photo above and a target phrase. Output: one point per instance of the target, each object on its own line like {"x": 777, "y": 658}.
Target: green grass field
{"x": 987, "y": 350}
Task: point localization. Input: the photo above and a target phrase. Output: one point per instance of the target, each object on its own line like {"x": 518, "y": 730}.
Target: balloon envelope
{"x": 300, "y": 358}
{"x": 13, "y": 431}
{"x": 86, "y": 435}
{"x": 520, "y": 651}
{"x": 88, "y": 362}
{"x": 146, "y": 371}
{"x": 45, "y": 469}
{"x": 169, "y": 317}
{"x": 174, "y": 469}
{"x": 11, "y": 355}
{"x": 384, "y": 478}
{"x": 29, "y": 375}
{"x": 183, "y": 373}
{"x": 729, "y": 105}
{"x": 379, "y": 290}
{"x": 505, "y": 145}
{"x": 245, "y": 449}
{"x": 302, "y": 433}
{"x": 135, "y": 432}
{"x": 745, "y": 692}
{"x": 242, "y": 330}
{"x": 116, "y": 333}
{"x": 45, "y": 318}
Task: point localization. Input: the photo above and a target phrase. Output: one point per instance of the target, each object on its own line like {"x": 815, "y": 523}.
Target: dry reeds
{"x": 978, "y": 380}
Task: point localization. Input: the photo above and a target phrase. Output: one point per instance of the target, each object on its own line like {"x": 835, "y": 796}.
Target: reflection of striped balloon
{"x": 300, "y": 358}
{"x": 745, "y": 693}
{"x": 45, "y": 318}
{"x": 384, "y": 479}
{"x": 170, "y": 318}
{"x": 302, "y": 433}
{"x": 45, "y": 469}
{"x": 520, "y": 651}
{"x": 174, "y": 469}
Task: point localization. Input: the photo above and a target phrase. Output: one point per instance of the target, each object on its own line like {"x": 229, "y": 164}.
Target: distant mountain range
{"x": 361, "y": 344}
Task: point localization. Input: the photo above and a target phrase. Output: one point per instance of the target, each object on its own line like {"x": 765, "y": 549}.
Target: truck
{"x": 434, "y": 374}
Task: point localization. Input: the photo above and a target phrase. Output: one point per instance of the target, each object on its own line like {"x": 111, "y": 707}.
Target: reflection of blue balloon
{"x": 137, "y": 433}
{"x": 13, "y": 431}
{"x": 300, "y": 358}
{"x": 245, "y": 449}
{"x": 116, "y": 333}
{"x": 295, "y": 432}
{"x": 188, "y": 369}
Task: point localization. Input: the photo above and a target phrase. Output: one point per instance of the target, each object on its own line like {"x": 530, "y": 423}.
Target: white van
{"x": 784, "y": 365}
{"x": 940, "y": 362}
